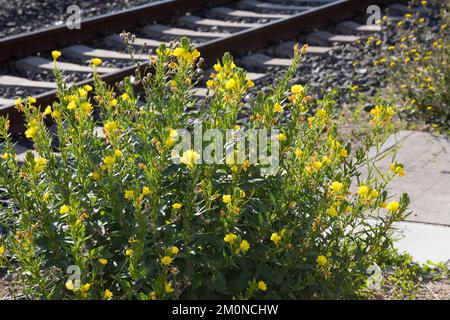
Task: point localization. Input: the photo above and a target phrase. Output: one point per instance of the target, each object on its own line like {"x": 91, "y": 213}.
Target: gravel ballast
{"x": 20, "y": 16}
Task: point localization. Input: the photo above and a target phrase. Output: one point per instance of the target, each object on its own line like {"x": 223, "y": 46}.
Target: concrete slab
{"x": 426, "y": 161}
{"x": 423, "y": 241}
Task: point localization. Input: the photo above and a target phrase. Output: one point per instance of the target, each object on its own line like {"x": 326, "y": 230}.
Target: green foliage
{"x": 139, "y": 226}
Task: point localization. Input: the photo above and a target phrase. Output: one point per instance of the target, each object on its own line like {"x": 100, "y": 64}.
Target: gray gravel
{"x": 19, "y": 16}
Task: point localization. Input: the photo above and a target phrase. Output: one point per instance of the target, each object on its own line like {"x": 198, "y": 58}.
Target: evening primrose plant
{"x": 420, "y": 53}
{"x": 104, "y": 207}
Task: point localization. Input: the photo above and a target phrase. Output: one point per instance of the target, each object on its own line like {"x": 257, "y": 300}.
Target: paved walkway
{"x": 426, "y": 159}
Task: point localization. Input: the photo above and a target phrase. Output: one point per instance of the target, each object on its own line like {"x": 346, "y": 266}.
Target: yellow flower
{"x": 262, "y": 286}
{"x": 332, "y": 212}
{"x": 244, "y": 245}
{"x": 125, "y": 96}
{"x": 179, "y": 52}
{"x": 275, "y": 238}
{"x": 363, "y": 191}
{"x": 177, "y": 205}
{"x": 297, "y": 89}
{"x": 39, "y": 164}
{"x": 278, "y": 108}
{"x": 152, "y": 295}
{"x": 281, "y": 137}
{"x": 397, "y": 169}
{"x": 166, "y": 260}
{"x": 217, "y": 67}
{"x": 298, "y": 153}
{"x": 103, "y": 261}
{"x": 336, "y": 186}
{"x": 145, "y": 191}
{"x": 46, "y": 196}
{"x": 109, "y": 160}
{"x": 374, "y": 194}
{"x": 129, "y": 194}
{"x": 321, "y": 113}
{"x": 2, "y": 250}
{"x": 82, "y": 92}
{"x": 31, "y": 100}
{"x": 107, "y": 294}
{"x": 111, "y": 126}
{"x": 64, "y": 209}
{"x": 18, "y": 102}
{"x": 71, "y": 105}
{"x": 85, "y": 287}
{"x": 230, "y": 84}
{"x": 175, "y": 250}
{"x": 318, "y": 165}
{"x": 189, "y": 157}
{"x": 230, "y": 238}
{"x": 250, "y": 83}
{"x": 47, "y": 110}
{"x": 87, "y": 88}
{"x": 56, "y": 114}
{"x": 392, "y": 206}
{"x": 321, "y": 260}
{"x": 226, "y": 198}
{"x": 69, "y": 285}
{"x": 343, "y": 153}
{"x": 56, "y": 54}
{"x": 118, "y": 153}
{"x": 168, "y": 287}
{"x": 96, "y": 61}
{"x": 209, "y": 83}
{"x": 87, "y": 107}
{"x": 128, "y": 252}
{"x": 6, "y": 156}
{"x": 95, "y": 176}
{"x": 30, "y": 133}
{"x": 172, "y": 135}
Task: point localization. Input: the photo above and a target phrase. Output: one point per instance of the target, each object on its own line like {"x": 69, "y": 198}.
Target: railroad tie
{"x": 253, "y": 4}
{"x": 195, "y": 22}
{"x": 286, "y": 49}
{"x": 38, "y": 63}
{"x": 116, "y": 40}
{"x": 225, "y": 12}
{"x": 324, "y": 38}
{"x": 351, "y": 27}
{"x": 12, "y": 81}
{"x": 4, "y": 102}
{"x": 161, "y": 30}
{"x": 260, "y": 60}
{"x": 401, "y": 9}
{"x": 85, "y": 52}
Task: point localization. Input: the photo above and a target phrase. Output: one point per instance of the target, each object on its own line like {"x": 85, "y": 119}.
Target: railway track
{"x": 241, "y": 27}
